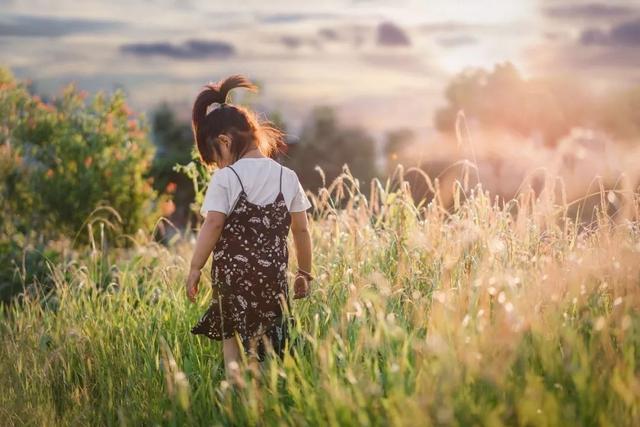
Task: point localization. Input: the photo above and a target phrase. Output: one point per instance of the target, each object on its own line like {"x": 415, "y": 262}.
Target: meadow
{"x": 486, "y": 313}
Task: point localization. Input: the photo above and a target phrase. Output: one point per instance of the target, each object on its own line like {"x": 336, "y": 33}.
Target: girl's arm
{"x": 207, "y": 239}
{"x": 301, "y": 239}
{"x": 302, "y": 242}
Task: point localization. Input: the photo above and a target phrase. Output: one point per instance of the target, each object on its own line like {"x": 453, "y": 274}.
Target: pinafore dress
{"x": 249, "y": 275}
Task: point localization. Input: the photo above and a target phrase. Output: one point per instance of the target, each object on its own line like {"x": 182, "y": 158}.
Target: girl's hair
{"x": 240, "y": 123}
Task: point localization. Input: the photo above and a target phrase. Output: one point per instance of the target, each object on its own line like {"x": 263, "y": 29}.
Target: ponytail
{"x": 217, "y": 92}
{"x": 236, "y": 119}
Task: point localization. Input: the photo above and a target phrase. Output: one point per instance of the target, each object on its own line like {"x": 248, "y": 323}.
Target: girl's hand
{"x": 192, "y": 284}
{"x": 300, "y": 287}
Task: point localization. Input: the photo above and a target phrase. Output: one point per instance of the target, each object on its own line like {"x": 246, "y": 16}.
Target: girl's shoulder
{"x": 290, "y": 173}
{"x": 221, "y": 176}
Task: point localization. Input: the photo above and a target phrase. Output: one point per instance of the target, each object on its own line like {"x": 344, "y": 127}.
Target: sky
{"x": 383, "y": 65}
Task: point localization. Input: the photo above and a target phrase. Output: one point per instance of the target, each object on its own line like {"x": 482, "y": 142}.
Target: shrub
{"x": 63, "y": 161}
{"x": 65, "y": 165}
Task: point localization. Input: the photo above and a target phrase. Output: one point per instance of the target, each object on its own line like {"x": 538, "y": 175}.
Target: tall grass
{"x": 487, "y": 314}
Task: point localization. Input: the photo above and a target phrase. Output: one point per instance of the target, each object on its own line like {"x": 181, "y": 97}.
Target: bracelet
{"x": 305, "y": 274}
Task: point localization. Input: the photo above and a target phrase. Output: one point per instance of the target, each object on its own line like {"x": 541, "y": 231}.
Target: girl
{"x": 250, "y": 205}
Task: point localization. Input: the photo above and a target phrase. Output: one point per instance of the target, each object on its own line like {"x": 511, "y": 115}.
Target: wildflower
{"x": 466, "y": 320}
{"x": 502, "y": 297}
{"x": 359, "y": 311}
{"x": 496, "y": 246}
{"x": 171, "y": 187}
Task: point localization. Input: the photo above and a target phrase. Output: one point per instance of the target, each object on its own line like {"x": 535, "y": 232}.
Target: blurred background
{"x": 97, "y": 96}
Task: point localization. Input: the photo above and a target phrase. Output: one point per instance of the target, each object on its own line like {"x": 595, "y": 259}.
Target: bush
{"x": 64, "y": 166}
{"x": 61, "y": 162}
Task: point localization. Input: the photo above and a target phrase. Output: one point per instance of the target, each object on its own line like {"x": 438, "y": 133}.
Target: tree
{"x": 326, "y": 143}
{"x": 396, "y": 143}
{"x": 173, "y": 140}
{"x": 503, "y": 99}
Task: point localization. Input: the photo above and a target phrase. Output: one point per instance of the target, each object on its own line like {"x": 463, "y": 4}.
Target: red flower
{"x": 171, "y": 187}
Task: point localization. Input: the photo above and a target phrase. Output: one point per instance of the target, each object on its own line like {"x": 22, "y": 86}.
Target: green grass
{"x": 419, "y": 316}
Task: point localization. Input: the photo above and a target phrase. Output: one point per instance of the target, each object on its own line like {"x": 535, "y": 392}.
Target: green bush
{"x": 63, "y": 161}
{"x": 65, "y": 166}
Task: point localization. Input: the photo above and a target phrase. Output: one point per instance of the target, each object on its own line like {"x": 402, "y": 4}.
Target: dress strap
{"x": 280, "y": 178}
{"x": 242, "y": 186}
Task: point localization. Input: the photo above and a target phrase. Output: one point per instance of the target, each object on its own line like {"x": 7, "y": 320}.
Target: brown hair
{"x": 242, "y": 124}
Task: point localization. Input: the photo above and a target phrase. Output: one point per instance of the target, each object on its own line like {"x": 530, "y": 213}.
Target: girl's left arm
{"x": 207, "y": 238}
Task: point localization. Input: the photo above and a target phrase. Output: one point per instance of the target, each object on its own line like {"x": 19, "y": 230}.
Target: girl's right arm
{"x": 207, "y": 239}
{"x": 302, "y": 241}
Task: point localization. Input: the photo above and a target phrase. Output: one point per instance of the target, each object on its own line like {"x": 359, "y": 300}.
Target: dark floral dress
{"x": 249, "y": 275}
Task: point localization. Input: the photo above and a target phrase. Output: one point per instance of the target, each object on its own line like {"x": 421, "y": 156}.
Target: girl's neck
{"x": 251, "y": 154}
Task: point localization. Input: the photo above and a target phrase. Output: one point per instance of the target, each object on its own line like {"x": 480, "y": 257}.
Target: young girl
{"x": 251, "y": 203}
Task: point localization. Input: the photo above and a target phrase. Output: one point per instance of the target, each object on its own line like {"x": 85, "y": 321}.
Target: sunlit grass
{"x": 484, "y": 314}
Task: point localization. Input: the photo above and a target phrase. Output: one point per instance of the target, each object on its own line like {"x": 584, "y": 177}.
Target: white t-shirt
{"x": 261, "y": 180}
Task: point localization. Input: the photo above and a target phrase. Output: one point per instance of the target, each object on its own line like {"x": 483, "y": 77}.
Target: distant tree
{"x": 503, "y": 99}
{"x": 173, "y": 140}
{"x": 327, "y": 143}
{"x": 619, "y": 114}
{"x": 395, "y": 144}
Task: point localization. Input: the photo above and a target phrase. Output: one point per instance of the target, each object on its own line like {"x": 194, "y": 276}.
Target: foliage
{"x": 63, "y": 161}
{"x": 173, "y": 139}
{"x": 502, "y": 98}
{"x": 397, "y": 144}
{"x": 20, "y": 264}
{"x": 198, "y": 174}
{"x": 328, "y": 144}
{"x": 478, "y": 316}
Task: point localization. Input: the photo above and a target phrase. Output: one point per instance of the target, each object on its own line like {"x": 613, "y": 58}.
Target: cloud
{"x": 291, "y": 41}
{"x": 390, "y": 34}
{"x": 284, "y": 18}
{"x": 353, "y": 34}
{"x": 627, "y": 33}
{"x": 458, "y": 40}
{"x": 623, "y": 34}
{"x": 39, "y": 26}
{"x": 607, "y": 54}
{"x": 328, "y": 33}
{"x": 445, "y": 26}
{"x": 589, "y": 11}
{"x": 191, "y": 49}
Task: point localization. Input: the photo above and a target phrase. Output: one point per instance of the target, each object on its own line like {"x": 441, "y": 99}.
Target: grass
{"x": 484, "y": 314}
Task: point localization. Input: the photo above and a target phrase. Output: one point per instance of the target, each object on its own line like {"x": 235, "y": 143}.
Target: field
{"x": 484, "y": 314}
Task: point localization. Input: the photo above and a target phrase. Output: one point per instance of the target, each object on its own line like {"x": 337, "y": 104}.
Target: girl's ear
{"x": 224, "y": 139}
